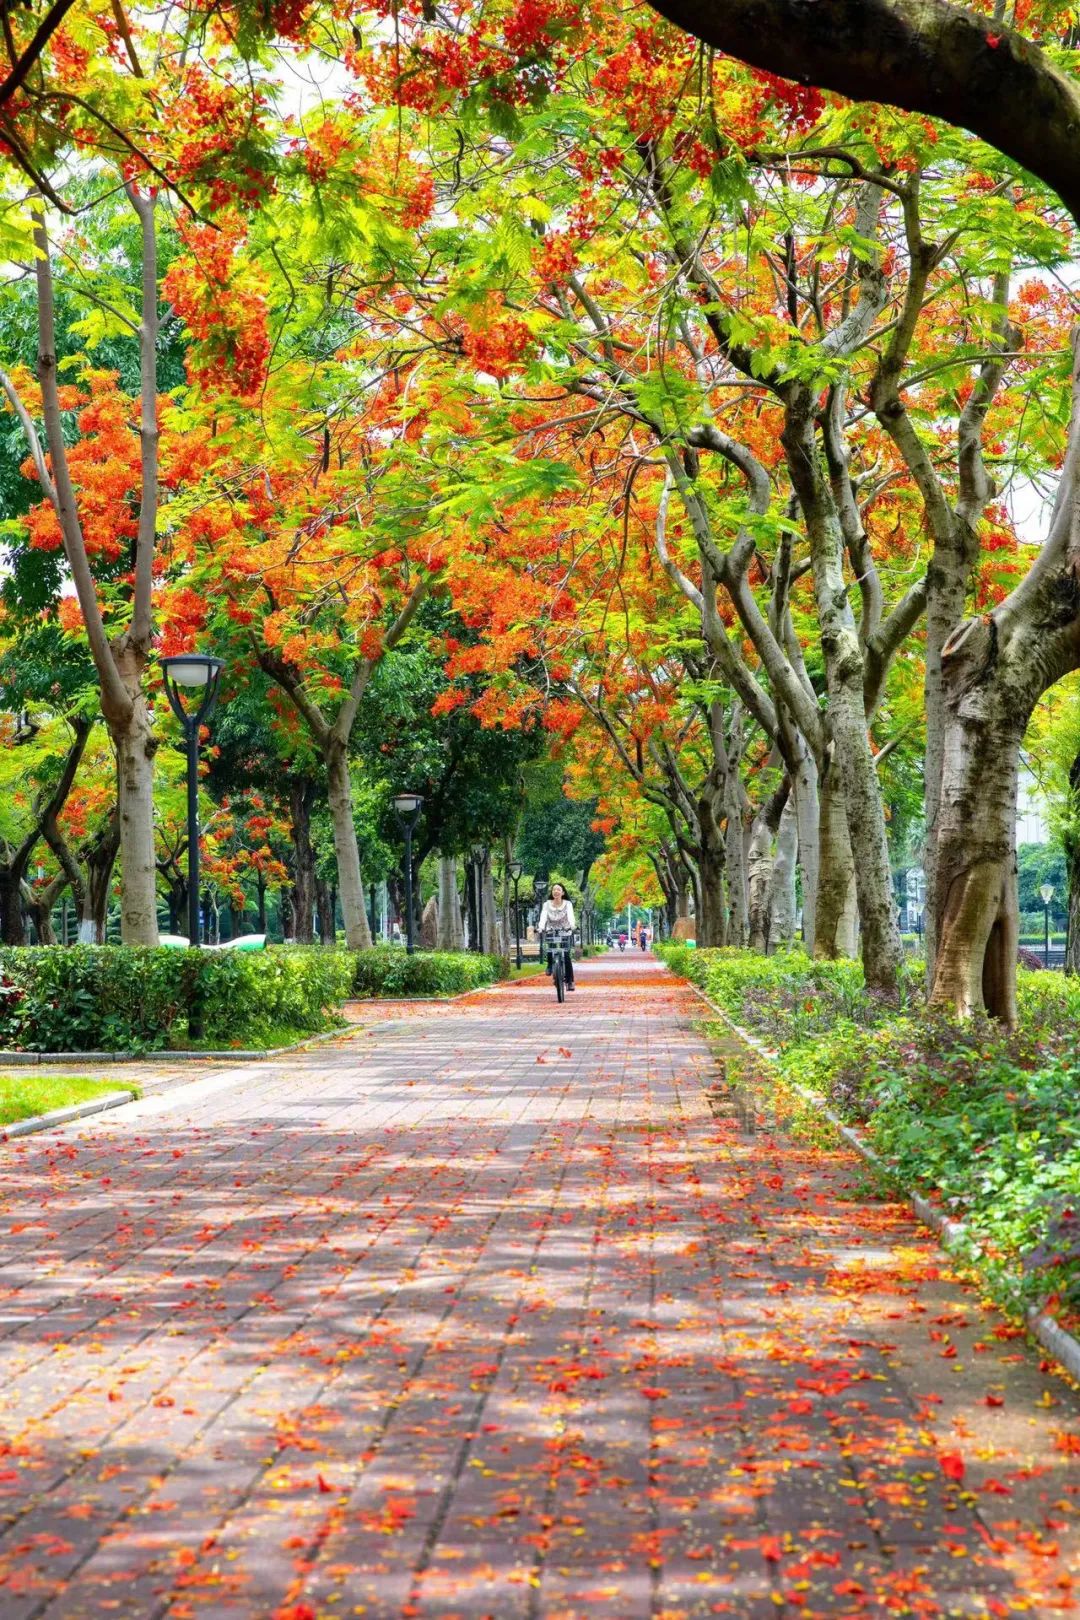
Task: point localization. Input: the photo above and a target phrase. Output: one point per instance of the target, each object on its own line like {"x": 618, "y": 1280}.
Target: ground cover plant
{"x": 983, "y": 1120}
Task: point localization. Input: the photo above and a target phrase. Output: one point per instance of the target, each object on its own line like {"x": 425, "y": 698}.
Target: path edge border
{"x": 65, "y": 1116}
{"x": 1050, "y": 1334}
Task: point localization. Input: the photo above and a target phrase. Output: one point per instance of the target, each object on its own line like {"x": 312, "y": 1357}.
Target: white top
{"x": 552, "y": 918}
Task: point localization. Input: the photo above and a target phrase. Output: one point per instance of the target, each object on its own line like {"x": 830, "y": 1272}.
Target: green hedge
{"x": 387, "y": 970}
{"x": 983, "y": 1120}
{"x": 115, "y": 998}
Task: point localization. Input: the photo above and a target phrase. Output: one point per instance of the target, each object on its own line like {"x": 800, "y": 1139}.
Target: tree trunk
{"x": 135, "y": 747}
{"x": 882, "y": 948}
{"x": 12, "y": 924}
{"x": 759, "y": 882}
{"x": 346, "y": 849}
{"x": 711, "y": 917}
{"x": 504, "y": 915}
{"x": 782, "y": 882}
{"x": 93, "y": 902}
{"x": 1072, "y": 873}
{"x": 760, "y": 862}
{"x": 260, "y": 890}
{"x": 975, "y": 898}
{"x": 324, "y": 904}
{"x": 1072, "y": 945}
{"x": 738, "y": 914}
{"x": 41, "y": 915}
{"x": 301, "y": 799}
{"x": 836, "y": 869}
{"x": 451, "y": 928}
{"x": 488, "y": 940}
{"x": 808, "y": 819}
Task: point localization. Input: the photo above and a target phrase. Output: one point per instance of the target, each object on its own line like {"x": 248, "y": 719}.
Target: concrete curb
{"x": 1050, "y": 1334}
{"x": 20, "y": 1060}
{"x": 65, "y": 1116}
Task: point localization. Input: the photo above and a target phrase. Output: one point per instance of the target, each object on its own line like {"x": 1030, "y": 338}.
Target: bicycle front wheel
{"x": 558, "y": 973}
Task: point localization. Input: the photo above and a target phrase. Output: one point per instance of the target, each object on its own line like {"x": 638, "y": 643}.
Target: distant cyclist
{"x": 557, "y": 915}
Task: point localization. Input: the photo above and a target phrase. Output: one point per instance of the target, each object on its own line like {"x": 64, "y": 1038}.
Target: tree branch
{"x": 927, "y": 56}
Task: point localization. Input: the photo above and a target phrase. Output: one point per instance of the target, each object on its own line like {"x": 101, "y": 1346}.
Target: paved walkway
{"x": 487, "y": 1313}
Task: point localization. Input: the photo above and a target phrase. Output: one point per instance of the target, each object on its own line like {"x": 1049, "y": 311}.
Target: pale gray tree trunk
{"x": 760, "y": 866}
{"x": 488, "y": 917}
{"x": 808, "y": 819}
{"x": 505, "y": 931}
{"x": 836, "y": 870}
{"x": 451, "y": 927}
{"x": 782, "y": 882}
{"x": 759, "y": 883}
{"x": 976, "y": 901}
{"x": 738, "y": 906}
{"x": 995, "y": 669}
{"x": 882, "y": 949}
{"x": 346, "y": 849}
{"x": 121, "y": 664}
{"x": 332, "y": 739}
{"x": 135, "y": 746}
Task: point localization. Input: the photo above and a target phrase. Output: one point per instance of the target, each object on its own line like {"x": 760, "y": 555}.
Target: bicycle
{"x": 559, "y": 945}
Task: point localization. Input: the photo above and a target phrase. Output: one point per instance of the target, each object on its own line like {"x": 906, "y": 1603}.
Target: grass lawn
{"x": 265, "y": 1039}
{"x": 22, "y": 1095}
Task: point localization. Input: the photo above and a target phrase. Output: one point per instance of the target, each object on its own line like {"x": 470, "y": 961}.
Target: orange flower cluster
{"x": 220, "y": 296}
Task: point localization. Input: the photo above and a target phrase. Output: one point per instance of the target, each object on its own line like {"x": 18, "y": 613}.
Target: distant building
{"x": 1031, "y": 822}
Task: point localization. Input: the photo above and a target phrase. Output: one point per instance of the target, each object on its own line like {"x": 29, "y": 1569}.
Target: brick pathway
{"x": 486, "y": 1312}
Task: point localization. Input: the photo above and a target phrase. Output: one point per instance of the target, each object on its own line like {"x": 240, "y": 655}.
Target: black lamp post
{"x": 1047, "y": 893}
{"x": 198, "y": 675}
{"x": 407, "y": 808}
{"x": 479, "y": 855}
{"x": 516, "y": 870}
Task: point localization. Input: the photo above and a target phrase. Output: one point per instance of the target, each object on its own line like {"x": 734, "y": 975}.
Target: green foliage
{"x": 556, "y": 833}
{"x": 387, "y": 970}
{"x": 982, "y": 1120}
{"x": 1037, "y": 864}
{"x": 788, "y": 998}
{"x": 116, "y": 998}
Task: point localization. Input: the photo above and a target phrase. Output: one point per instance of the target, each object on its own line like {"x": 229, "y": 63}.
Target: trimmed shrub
{"x": 387, "y": 970}
{"x": 118, "y": 998}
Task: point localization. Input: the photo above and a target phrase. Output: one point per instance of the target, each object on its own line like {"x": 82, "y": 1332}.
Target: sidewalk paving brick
{"x": 482, "y": 1312}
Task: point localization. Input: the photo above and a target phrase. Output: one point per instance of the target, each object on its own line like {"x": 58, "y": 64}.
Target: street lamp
{"x": 199, "y": 676}
{"x": 516, "y": 871}
{"x": 407, "y": 808}
{"x": 479, "y": 856}
{"x": 1047, "y": 892}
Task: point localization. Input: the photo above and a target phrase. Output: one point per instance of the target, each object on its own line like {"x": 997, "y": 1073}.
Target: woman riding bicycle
{"x": 557, "y": 916}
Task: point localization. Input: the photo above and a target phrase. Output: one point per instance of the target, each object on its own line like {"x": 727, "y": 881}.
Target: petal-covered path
{"x": 488, "y": 1312}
